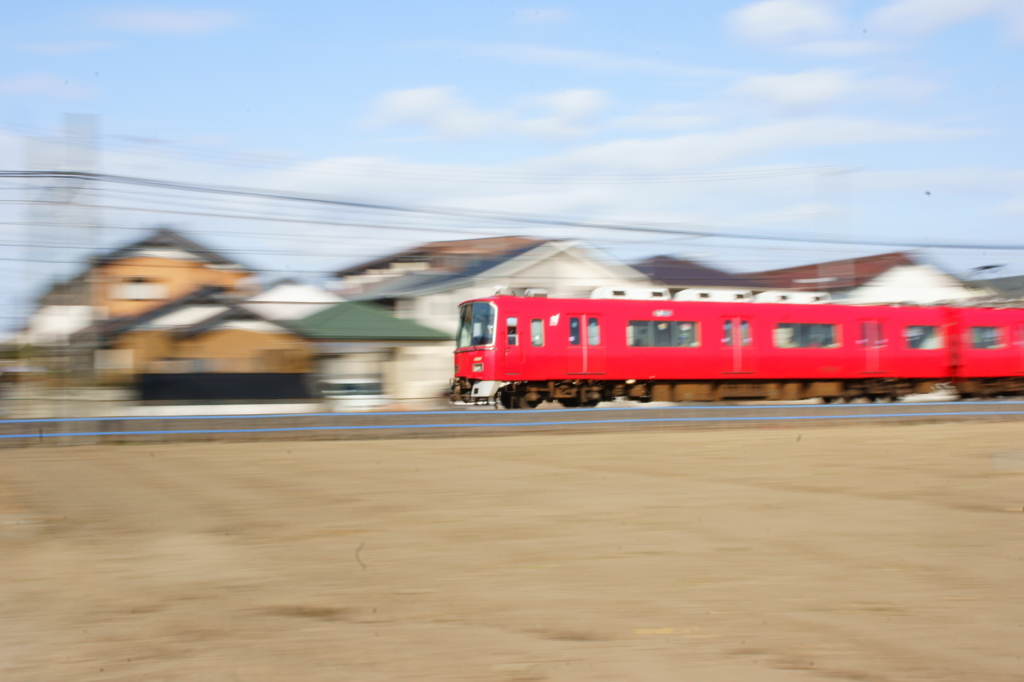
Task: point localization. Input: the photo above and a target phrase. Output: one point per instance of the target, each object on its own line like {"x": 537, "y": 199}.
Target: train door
{"x": 575, "y": 357}
{"x": 872, "y": 341}
{"x": 595, "y": 348}
{"x": 513, "y": 343}
{"x": 586, "y": 345}
{"x": 738, "y": 346}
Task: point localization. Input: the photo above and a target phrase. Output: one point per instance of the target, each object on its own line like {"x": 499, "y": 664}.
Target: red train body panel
{"x": 603, "y": 341}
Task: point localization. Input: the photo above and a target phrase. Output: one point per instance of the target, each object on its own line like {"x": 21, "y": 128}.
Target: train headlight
{"x": 478, "y": 366}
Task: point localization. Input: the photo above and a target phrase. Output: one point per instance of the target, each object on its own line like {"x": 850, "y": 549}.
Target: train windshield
{"x": 476, "y": 324}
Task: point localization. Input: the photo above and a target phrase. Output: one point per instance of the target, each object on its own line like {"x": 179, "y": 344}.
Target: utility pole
{"x": 61, "y": 227}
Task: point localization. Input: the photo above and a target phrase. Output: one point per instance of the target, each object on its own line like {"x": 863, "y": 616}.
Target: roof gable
{"x": 168, "y": 243}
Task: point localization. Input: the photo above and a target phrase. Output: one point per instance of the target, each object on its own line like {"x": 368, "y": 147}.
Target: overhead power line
{"x": 523, "y": 219}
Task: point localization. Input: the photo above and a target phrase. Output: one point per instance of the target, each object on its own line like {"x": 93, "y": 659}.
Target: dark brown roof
{"x": 674, "y": 272}
{"x": 833, "y": 275}
{"x": 167, "y": 238}
{"x": 448, "y": 256}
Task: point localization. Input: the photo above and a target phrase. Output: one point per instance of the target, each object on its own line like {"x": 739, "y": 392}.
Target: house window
{"x": 987, "y": 337}
{"x": 140, "y": 289}
{"x": 799, "y": 335}
{"x": 922, "y": 337}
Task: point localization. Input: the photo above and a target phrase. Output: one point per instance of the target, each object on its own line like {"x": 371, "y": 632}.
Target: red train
{"x": 522, "y": 351}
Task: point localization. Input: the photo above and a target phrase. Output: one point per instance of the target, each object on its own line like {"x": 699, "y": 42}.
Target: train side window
{"x": 800, "y": 335}
{"x": 536, "y": 333}
{"x": 593, "y": 331}
{"x": 922, "y": 337}
{"x": 727, "y": 333}
{"x": 987, "y": 337}
{"x": 574, "y": 331}
{"x": 638, "y": 333}
{"x": 662, "y": 333}
{"x": 745, "y": 334}
{"x": 685, "y": 335}
{"x": 512, "y": 327}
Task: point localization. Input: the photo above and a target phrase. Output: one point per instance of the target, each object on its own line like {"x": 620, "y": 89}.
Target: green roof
{"x": 348, "y": 321}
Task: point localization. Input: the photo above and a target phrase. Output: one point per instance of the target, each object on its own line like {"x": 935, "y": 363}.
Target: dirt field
{"x": 882, "y": 553}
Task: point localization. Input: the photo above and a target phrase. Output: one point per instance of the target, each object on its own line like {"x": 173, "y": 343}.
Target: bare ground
{"x": 871, "y": 553}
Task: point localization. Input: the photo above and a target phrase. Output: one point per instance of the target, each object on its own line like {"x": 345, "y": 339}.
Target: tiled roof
{"x": 114, "y": 326}
{"x": 362, "y": 322}
{"x": 431, "y": 281}
{"x": 167, "y": 238}
{"x": 675, "y": 272}
{"x": 1011, "y": 287}
{"x": 839, "y": 274}
{"x": 450, "y": 256}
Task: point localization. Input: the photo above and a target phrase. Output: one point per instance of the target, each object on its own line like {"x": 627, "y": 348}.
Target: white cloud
{"x": 171, "y": 21}
{"x": 590, "y": 60}
{"x": 661, "y": 122}
{"x": 63, "y": 49}
{"x": 799, "y": 91}
{"x": 706, "y": 149}
{"x": 444, "y": 112}
{"x": 44, "y": 85}
{"x": 808, "y": 91}
{"x": 438, "y": 108}
{"x": 926, "y": 16}
{"x": 774, "y": 21}
{"x": 540, "y": 15}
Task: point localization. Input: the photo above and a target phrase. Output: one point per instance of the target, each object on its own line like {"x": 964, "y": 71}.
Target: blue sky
{"x": 896, "y": 119}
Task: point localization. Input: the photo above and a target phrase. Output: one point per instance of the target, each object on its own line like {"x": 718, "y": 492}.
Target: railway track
{"x": 471, "y": 421}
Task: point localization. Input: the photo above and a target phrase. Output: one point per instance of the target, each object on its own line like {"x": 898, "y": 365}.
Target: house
{"x": 131, "y": 280}
{"x": 162, "y": 266}
{"x": 207, "y": 345}
{"x": 897, "y": 277}
{"x": 426, "y": 284}
{"x": 365, "y": 341}
{"x": 290, "y": 300}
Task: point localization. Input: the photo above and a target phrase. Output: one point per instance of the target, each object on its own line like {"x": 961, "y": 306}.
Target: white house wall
{"x": 922, "y": 284}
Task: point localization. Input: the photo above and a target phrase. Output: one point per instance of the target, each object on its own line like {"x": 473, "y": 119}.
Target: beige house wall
{"x": 176, "y": 278}
{"x": 226, "y": 350}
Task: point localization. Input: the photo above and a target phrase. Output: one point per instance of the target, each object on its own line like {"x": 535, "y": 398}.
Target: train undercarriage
{"x": 590, "y": 392}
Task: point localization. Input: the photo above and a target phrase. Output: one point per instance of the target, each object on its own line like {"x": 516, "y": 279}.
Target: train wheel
{"x": 570, "y": 402}
{"x": 522, "y": 403}
{"x": 507, "y": 400}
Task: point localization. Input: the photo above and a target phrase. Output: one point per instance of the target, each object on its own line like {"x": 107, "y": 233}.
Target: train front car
{"x": 476, "y": 355}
